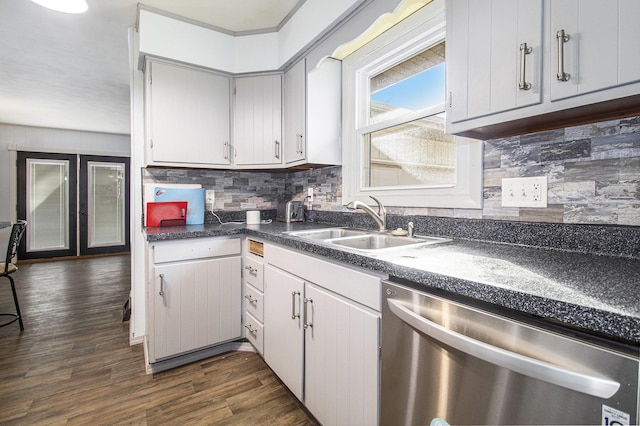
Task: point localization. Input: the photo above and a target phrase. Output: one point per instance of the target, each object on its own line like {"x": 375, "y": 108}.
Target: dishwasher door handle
{"x": 537, "y": 369}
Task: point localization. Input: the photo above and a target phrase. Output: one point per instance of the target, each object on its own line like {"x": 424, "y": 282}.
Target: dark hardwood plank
{"x": 73, "y": 363}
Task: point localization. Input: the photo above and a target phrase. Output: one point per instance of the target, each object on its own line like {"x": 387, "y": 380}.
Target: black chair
{"x": 17, "y": 232}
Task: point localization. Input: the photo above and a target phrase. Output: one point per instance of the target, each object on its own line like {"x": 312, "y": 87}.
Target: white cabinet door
{"x": 258, "y": 120}
{"x": 324, "y": 113}
{"x": 313, "y": 113}
{"x": 195, "y": 304}
{"x": 188, "y": 115}
{"x": 283, "y": 336}
{"x": 485, "y": 59}
{"x": 601, "y": 47}
{"x": 295, "y": 104}
{"x": 341, "y": 360}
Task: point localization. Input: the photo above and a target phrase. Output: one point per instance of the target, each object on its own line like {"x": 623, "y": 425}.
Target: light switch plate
{"x": 524, "y": 192}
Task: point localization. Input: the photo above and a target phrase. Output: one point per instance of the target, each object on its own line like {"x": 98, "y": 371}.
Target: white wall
{"x": 137, "y": 324}
{"x": 171, "y": 38}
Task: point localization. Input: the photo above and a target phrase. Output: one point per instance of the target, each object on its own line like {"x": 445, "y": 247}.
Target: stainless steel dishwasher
{"x": 444, "y": 362}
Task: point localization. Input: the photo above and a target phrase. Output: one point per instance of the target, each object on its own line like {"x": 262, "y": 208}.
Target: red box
{"x": 170, "y": 213}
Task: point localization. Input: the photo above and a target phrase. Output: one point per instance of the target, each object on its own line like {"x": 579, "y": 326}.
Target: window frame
{"x": 421, "y": 30}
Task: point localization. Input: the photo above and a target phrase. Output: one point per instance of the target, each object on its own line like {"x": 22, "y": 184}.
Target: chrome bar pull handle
{"x": 250, "y": 298}
{"x": 524, "y": 51}
{"x": 307, "y": 323}
{"x": 293, "y": 305}
{"x": 225, "y": 150}
{"x": 299, "y": 136}
{"x": 161, "y": 293}
{"x": 276, "y": 144}
{"x": 562, "y": 39}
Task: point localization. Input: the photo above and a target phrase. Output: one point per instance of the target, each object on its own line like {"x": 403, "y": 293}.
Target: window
{"x": 395, "y": 146}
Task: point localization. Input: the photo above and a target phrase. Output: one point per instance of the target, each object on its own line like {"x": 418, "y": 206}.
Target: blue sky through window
{"x": 422, "y": 90}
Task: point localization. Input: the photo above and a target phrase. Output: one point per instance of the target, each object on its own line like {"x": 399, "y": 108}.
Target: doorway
{"x": 75, "y": 205}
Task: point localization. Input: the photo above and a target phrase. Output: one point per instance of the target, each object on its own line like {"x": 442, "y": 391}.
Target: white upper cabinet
{"x": 493, "y": 56}
{"x": 313, "y": 114}
{"x": 295, "y": 101}
{"x": 599, "y": 48}
{"x": 258, "y": 121}
{"x": 187, "y": 116}
{"x": 583, "y": 64}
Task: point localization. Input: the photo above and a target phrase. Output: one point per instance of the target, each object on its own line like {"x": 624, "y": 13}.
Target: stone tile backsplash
{"x": 593, "y": 178}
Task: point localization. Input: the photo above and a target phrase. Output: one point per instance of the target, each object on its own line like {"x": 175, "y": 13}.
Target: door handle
{"x": 562, "y": 39}
{"x": 293, "y": 305}
{"x": 524, "y": 51}
{"x": 300, "y": 143}
{"x": 226, "y": 150}
{"x": 535, "y": 368}
{"x": 307, "y": 323}
{"x": 161, "y": 293}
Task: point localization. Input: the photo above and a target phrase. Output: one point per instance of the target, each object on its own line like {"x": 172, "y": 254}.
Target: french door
{"x": 74, "y": 204}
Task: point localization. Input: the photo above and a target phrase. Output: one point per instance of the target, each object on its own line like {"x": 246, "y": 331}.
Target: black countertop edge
{"x": 589, "y": 319}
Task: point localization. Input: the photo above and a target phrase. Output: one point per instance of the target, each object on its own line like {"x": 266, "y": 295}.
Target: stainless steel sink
{"x": 363, "y": 240}
{"x": 328, "y": 233}
{"x": 372, "y": 242}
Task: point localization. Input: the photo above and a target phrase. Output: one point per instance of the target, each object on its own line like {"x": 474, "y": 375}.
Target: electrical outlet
{"x": 524, "y": 192}
{"x": 210, "y": 198}
{"x": 310, "y": 195}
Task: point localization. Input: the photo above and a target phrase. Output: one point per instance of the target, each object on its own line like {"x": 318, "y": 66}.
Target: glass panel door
{"x": 47, "y": 200}
{"x": 104, "y": 224}
{"x": 48, "y": 204}
{"x": 71, "y": 212}
{"x": 106, "y": 204}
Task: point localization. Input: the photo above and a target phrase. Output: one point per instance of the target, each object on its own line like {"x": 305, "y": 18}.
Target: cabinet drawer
{"x": 254, "y": 332}
{"x": 195, "y": 248}
{"x": 254, "y": 302}
{"x": 353, "y": 284}
{"x": 254, "y": 273}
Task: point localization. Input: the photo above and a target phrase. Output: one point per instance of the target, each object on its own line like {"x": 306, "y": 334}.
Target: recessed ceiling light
{"x": 66, "y": 6}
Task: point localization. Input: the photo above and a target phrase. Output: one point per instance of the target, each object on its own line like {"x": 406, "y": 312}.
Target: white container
{"x": 253, "y": 217}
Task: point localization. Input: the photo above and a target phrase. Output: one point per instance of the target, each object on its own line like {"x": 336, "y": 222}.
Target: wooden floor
{"x": 73, "y": 364}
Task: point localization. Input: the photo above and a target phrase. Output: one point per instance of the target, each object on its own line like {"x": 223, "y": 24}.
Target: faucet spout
{"x": 380, "y": 217}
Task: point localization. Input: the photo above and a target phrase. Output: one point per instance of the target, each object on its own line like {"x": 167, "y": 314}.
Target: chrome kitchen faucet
{"x": 380, "y": 217}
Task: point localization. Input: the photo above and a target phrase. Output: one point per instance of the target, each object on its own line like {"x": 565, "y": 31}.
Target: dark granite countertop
{"x": 600, "y": 294}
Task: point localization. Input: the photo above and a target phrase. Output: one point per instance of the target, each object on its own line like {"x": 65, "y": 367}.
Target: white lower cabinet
{"x": 341, "y": 360}
{"x": 323, "y": 345}
{"x": 194, "y": 295}
{"x": 283, "y": 338}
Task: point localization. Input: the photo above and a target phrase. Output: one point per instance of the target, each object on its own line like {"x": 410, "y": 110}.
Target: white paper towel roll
{"x": 253, "y": 217}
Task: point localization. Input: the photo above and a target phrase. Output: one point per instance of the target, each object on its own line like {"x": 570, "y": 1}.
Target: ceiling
{"x": 71, "y": 71}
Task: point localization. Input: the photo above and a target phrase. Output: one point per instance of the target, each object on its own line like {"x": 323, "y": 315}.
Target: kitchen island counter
{"x": 595, "y": 293}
